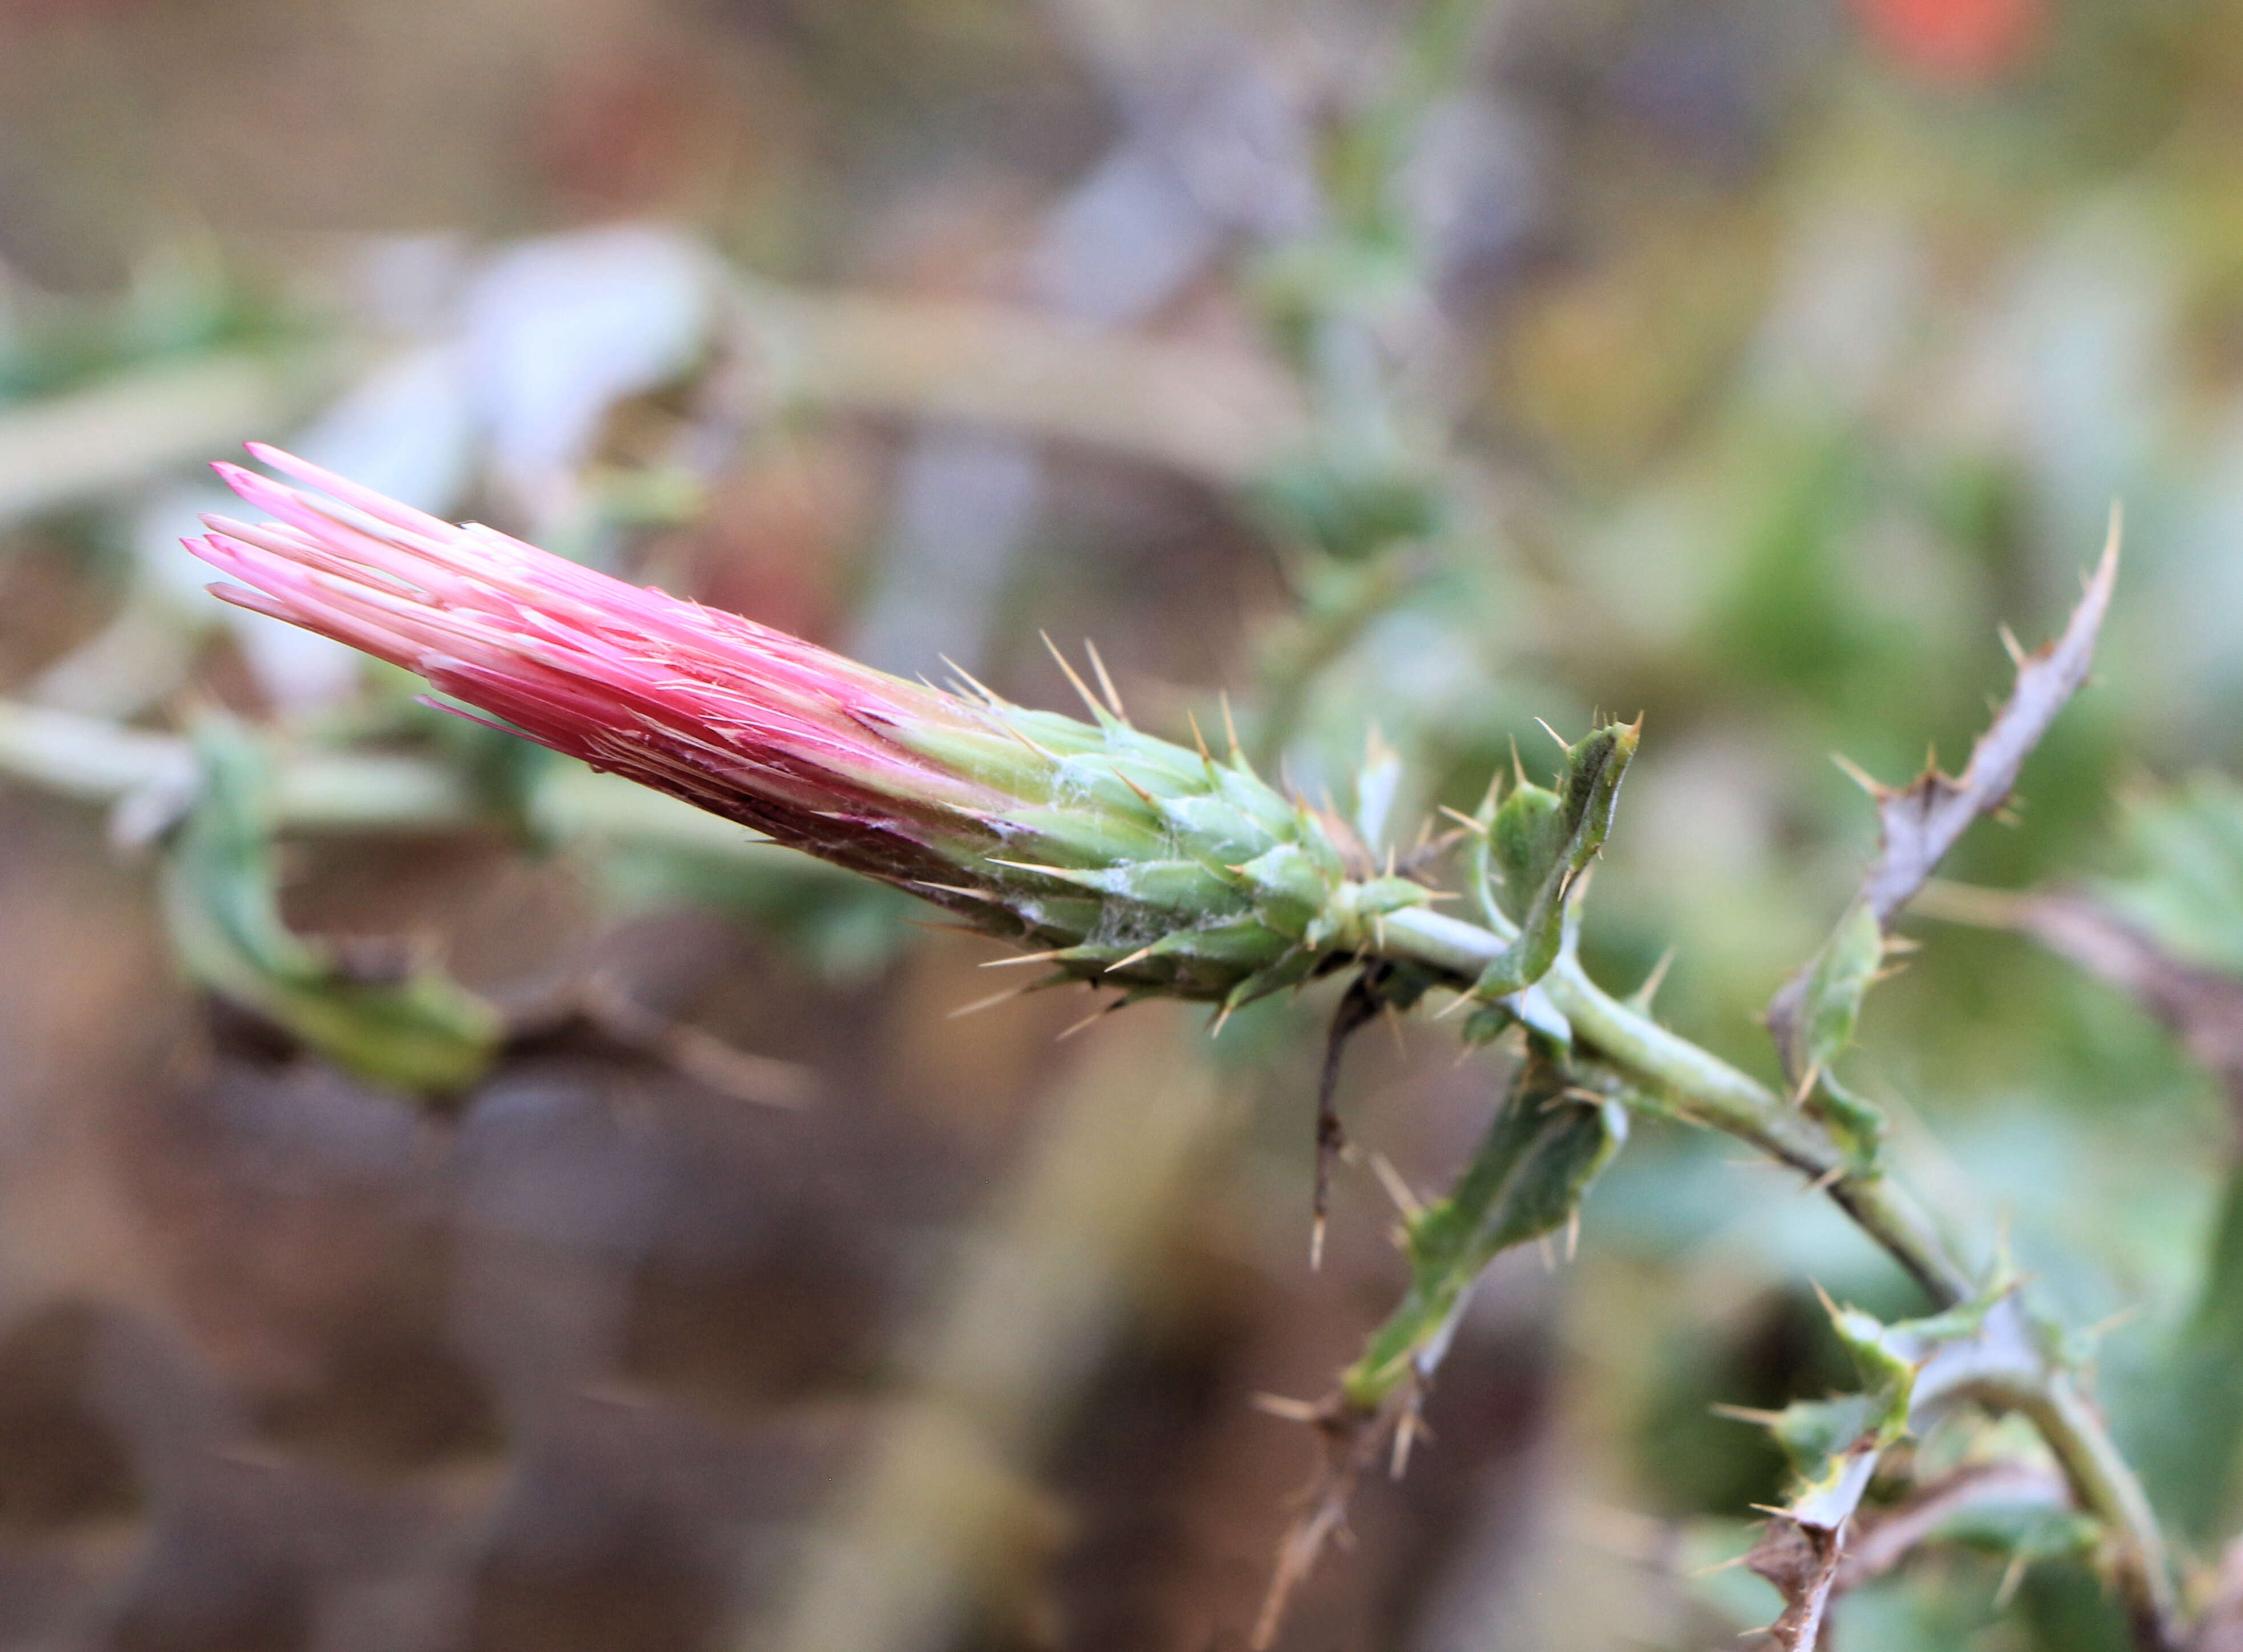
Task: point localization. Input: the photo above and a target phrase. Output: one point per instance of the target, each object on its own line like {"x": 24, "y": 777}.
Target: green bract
{"x": 1142, "y": 864}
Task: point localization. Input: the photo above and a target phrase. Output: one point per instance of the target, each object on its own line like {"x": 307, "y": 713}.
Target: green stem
{"x": 2106, "y": 1485}
{"x": 1683, "y": 1080}
{"x": 1691, "y": 1083}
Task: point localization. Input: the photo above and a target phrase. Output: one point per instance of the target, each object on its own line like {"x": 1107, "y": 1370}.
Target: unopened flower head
{"x": 1127, "y": 858}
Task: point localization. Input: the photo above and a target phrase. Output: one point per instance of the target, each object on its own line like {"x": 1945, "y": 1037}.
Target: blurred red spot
{"x": 1966, "y": 41}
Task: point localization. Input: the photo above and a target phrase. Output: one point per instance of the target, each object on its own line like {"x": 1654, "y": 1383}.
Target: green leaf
{"x": 2187, "y": 842}
{"x": 1349, "y": 508}
{"x": 1541, "y": 841}
{"x": 1836, "y": 986}
{"x": 416, "y": 1028}
{"x": 1545, "y": 1145}
{"x": 1911, "y": 1373}
{"x": 1814, "y": 1019}
{"x": 2192, "y": 1443}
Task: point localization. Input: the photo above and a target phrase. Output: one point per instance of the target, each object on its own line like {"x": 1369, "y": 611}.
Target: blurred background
{"x": 448, "y": 1201}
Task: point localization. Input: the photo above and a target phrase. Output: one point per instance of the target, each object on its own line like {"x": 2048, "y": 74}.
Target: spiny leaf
{"x": 1920, "y": 821}
{"x": 1911, "y": 1373}
{"x": 1543, "y": 1148}
{"x": 1541, "y": 841}
{"x": 1812, "y": 1017}
{"x": 1837, "y": 983}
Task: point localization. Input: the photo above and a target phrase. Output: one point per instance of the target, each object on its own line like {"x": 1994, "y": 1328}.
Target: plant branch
{"x": 1812, "y": 1017}
{"x": 1682, "y": 1080}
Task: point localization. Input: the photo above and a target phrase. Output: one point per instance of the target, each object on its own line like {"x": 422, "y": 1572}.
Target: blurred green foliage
{"x": 1807, "y": 368}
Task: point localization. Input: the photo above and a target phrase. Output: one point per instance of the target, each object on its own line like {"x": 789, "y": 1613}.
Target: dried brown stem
{"x": 2202, "y": 1008}
{"x": 1919, "y": 823}
{"x": 1353, "y": 1440}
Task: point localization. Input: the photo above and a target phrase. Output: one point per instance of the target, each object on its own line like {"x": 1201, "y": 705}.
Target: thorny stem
{"x": 1677, "y": 1079}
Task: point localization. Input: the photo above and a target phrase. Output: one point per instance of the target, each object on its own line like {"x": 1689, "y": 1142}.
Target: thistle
{"x": 1116, "y": 857}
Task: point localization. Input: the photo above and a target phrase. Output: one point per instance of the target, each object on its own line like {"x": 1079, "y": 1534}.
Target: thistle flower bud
{"x": 1120, "y": 857}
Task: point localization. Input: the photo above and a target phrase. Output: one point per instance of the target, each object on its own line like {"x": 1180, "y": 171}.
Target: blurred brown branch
{"x": 1216, "y": 412}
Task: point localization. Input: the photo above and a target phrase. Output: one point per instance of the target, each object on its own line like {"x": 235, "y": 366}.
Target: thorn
{"x": 1518, "y": 769}
{"x": 1198, "y": 739}
{"x": 1828, "y": 1180}
{"x": 1652, "y": 982}
{"x": 971, "y": 681}
{"x": 1143, "y": 796}
{"x": 1396, "y": 1189}
{"x": 1806, "y": 1086}
{"x": 1389, "y": 860}
{"x": 1316, "y": 1243}
{"x": 1549, "y": 1254}
{"x": 1572, "y": 1236}
{"x": 1081, "y": 688}
{"x": 1758, "y": 1417}
{"x": 1222, "y": 1018}
{"x": 959, "y": 929}
{"x": 2012, "y": 1575}
{"x": 1823, "y": 1296}
{"x": 990, "y": 1003}
{"x": 968, "y": 890}
{"x": 1730, "y": 1564}
{"x": 1006, "y": 723}
{"x": 2010, "y": 647}
{"x": 1230, "y": 728}
{"x": 1024, "y": 958}
{"x": 1861, "y": 776}
{"x": 1098, "y": 665}
{"x": 1293, "y": 1411}
{"x": 1405, "y": 1435}
{"x": 1555, "y": 735}
{"x": 1378, "y": 930}
{"x": 1477, "y": 828}
{"x": 1098, "y": 1014}
{"x": 1903, "y": 945}
{"x": 1887, "y": 973}
{"x": 1454, "y": 1005}
{"x": 1123, "y": 963}
{"x": 1392, "y": 1017}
